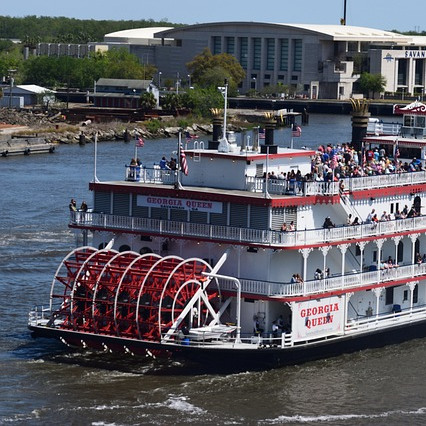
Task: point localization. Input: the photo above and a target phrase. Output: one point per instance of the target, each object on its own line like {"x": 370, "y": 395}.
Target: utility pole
{"x": 343, "y": 20}
{"x": 11, "y": 81}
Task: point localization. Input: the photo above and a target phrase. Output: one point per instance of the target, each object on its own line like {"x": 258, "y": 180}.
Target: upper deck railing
{"x": 341, "y": 282}
{"x": 288, "y": 187}
{"x": 260, "y": 237}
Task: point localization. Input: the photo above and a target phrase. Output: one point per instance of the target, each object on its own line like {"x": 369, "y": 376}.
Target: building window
{"x": 270, "y": 54}
{"x": 418, "y": 73}
{"x": 352, "y": 46}
{"x": 297, "y": 55}
{"x": 230, "y": 45}
{"x": 243, "y": 51}
{"x": 257, "y": 53}
{"x": 402, "y": 72}
{"x": 284, "y": 54}
{"x": 217, "y": 45}
{"x": 280, "y": 77}
{"x": 267, "y": 76}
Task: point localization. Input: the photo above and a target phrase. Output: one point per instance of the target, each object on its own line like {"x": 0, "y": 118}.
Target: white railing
{"x": 277, "y": 186}
{"x": 381, "y": 128}
{"x": 282, "y": 186}
{"x": 382, "y": 181}
{"x": 342, "y": 282}
{"x": 246, "y": 235}
{"x": 150, "y": 175}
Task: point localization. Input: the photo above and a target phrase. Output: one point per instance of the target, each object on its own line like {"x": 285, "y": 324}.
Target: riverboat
{"x": 226, "y": 263}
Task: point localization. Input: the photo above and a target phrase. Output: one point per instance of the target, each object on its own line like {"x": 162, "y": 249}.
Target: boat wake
{"x": 341, "y": 418}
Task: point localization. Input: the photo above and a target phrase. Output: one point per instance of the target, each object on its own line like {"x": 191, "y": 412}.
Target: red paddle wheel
{"x": 186, "y": 301}
{"x": 131, "y": 295}
{"x": 104, "y": 294}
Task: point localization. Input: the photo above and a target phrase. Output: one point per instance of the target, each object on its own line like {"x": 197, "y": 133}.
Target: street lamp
{"x": 255, "y": 84}
{"x": 177, "y": 83}
{"x": 159, "y": 79}
{"x": 189, "y": 81}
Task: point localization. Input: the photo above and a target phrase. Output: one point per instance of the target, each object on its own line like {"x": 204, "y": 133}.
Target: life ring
{"x": 27, "y": 151}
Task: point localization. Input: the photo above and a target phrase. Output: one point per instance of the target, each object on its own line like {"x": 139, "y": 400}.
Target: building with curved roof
{"x": 318, "y": 61}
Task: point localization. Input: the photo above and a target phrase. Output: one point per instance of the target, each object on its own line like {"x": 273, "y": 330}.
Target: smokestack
{"x": 269, "y": 147}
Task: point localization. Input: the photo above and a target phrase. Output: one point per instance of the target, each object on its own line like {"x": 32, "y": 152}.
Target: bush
{"x": 152, "y": 126}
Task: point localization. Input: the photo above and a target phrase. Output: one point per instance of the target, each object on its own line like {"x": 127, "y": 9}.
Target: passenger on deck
{"x": 355, "y": 222}
{"x": 318, "y": 274}
{"x": 284, "y": 227}
{"x": 370, "y": 216}
{"x": 328, "y": 223}
{"x": 275, "y": 329}
{"x": 83, "y": 206}
{"x": 73, "y": 205}
{"x": 163, "y": 164}
{"x": 172, "y": 164}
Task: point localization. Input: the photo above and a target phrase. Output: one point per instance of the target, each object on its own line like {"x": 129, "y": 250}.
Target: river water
{"x": 43, "y": 382}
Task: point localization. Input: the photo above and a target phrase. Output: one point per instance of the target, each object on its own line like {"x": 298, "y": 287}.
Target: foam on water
{"x": 342, "y": 417}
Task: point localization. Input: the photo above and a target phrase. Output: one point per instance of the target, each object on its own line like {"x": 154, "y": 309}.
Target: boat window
{"x": 124, "y": 247}
{"x": 145, "y": 250}
{"x": 400, "y": 251}
{"x": 389, "y": 296}
{"x": 409, "y": 120}
{"x": 417, "y": 204}
{"x": 416, "y": 294}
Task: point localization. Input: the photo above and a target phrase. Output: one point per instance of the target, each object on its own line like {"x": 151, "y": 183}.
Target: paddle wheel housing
{"x": 131, "y": 295}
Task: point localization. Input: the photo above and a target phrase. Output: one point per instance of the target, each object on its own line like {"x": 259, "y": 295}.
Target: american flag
{"x": 140, "y": 143}
{"x": 189, "y": 137}
{"x": 261, "y": 133}
{"x": 183, "y": 163}
{"x": 296, "y": 131}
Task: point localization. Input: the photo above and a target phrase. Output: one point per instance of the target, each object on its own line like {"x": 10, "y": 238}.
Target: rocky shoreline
{"x": 53, "y": 128}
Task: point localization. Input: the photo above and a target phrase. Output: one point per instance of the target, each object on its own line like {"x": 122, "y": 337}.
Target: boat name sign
{"x": 179, "y": 204}
{"x": 317, "y": 318}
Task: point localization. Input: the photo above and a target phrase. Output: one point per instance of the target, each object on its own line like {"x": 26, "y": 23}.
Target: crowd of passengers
{"x": 332, "y": 163}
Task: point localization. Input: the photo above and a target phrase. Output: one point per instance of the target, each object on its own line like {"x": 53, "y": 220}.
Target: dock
{"x": 25, "y": 146}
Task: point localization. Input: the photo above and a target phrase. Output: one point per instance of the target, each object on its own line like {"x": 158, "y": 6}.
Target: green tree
{"x": 172, "y": 102}
{"x": 372, "y": 83}
{"x": 211, "y": 70}
{"x": 147, "y": 101}
{"x": 201, "y": 100}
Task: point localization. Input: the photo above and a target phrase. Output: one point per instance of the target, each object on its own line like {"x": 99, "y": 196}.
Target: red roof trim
{"x": 389, "y": 191}
{"x": 251, "y": 156}
{"x": 330, "y": 293}
{"x": 246, "y": 198}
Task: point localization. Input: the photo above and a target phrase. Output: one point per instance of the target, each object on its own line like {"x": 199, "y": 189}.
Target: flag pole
{"x": 179, "y": 165}
{"x": 95, "y": 178}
